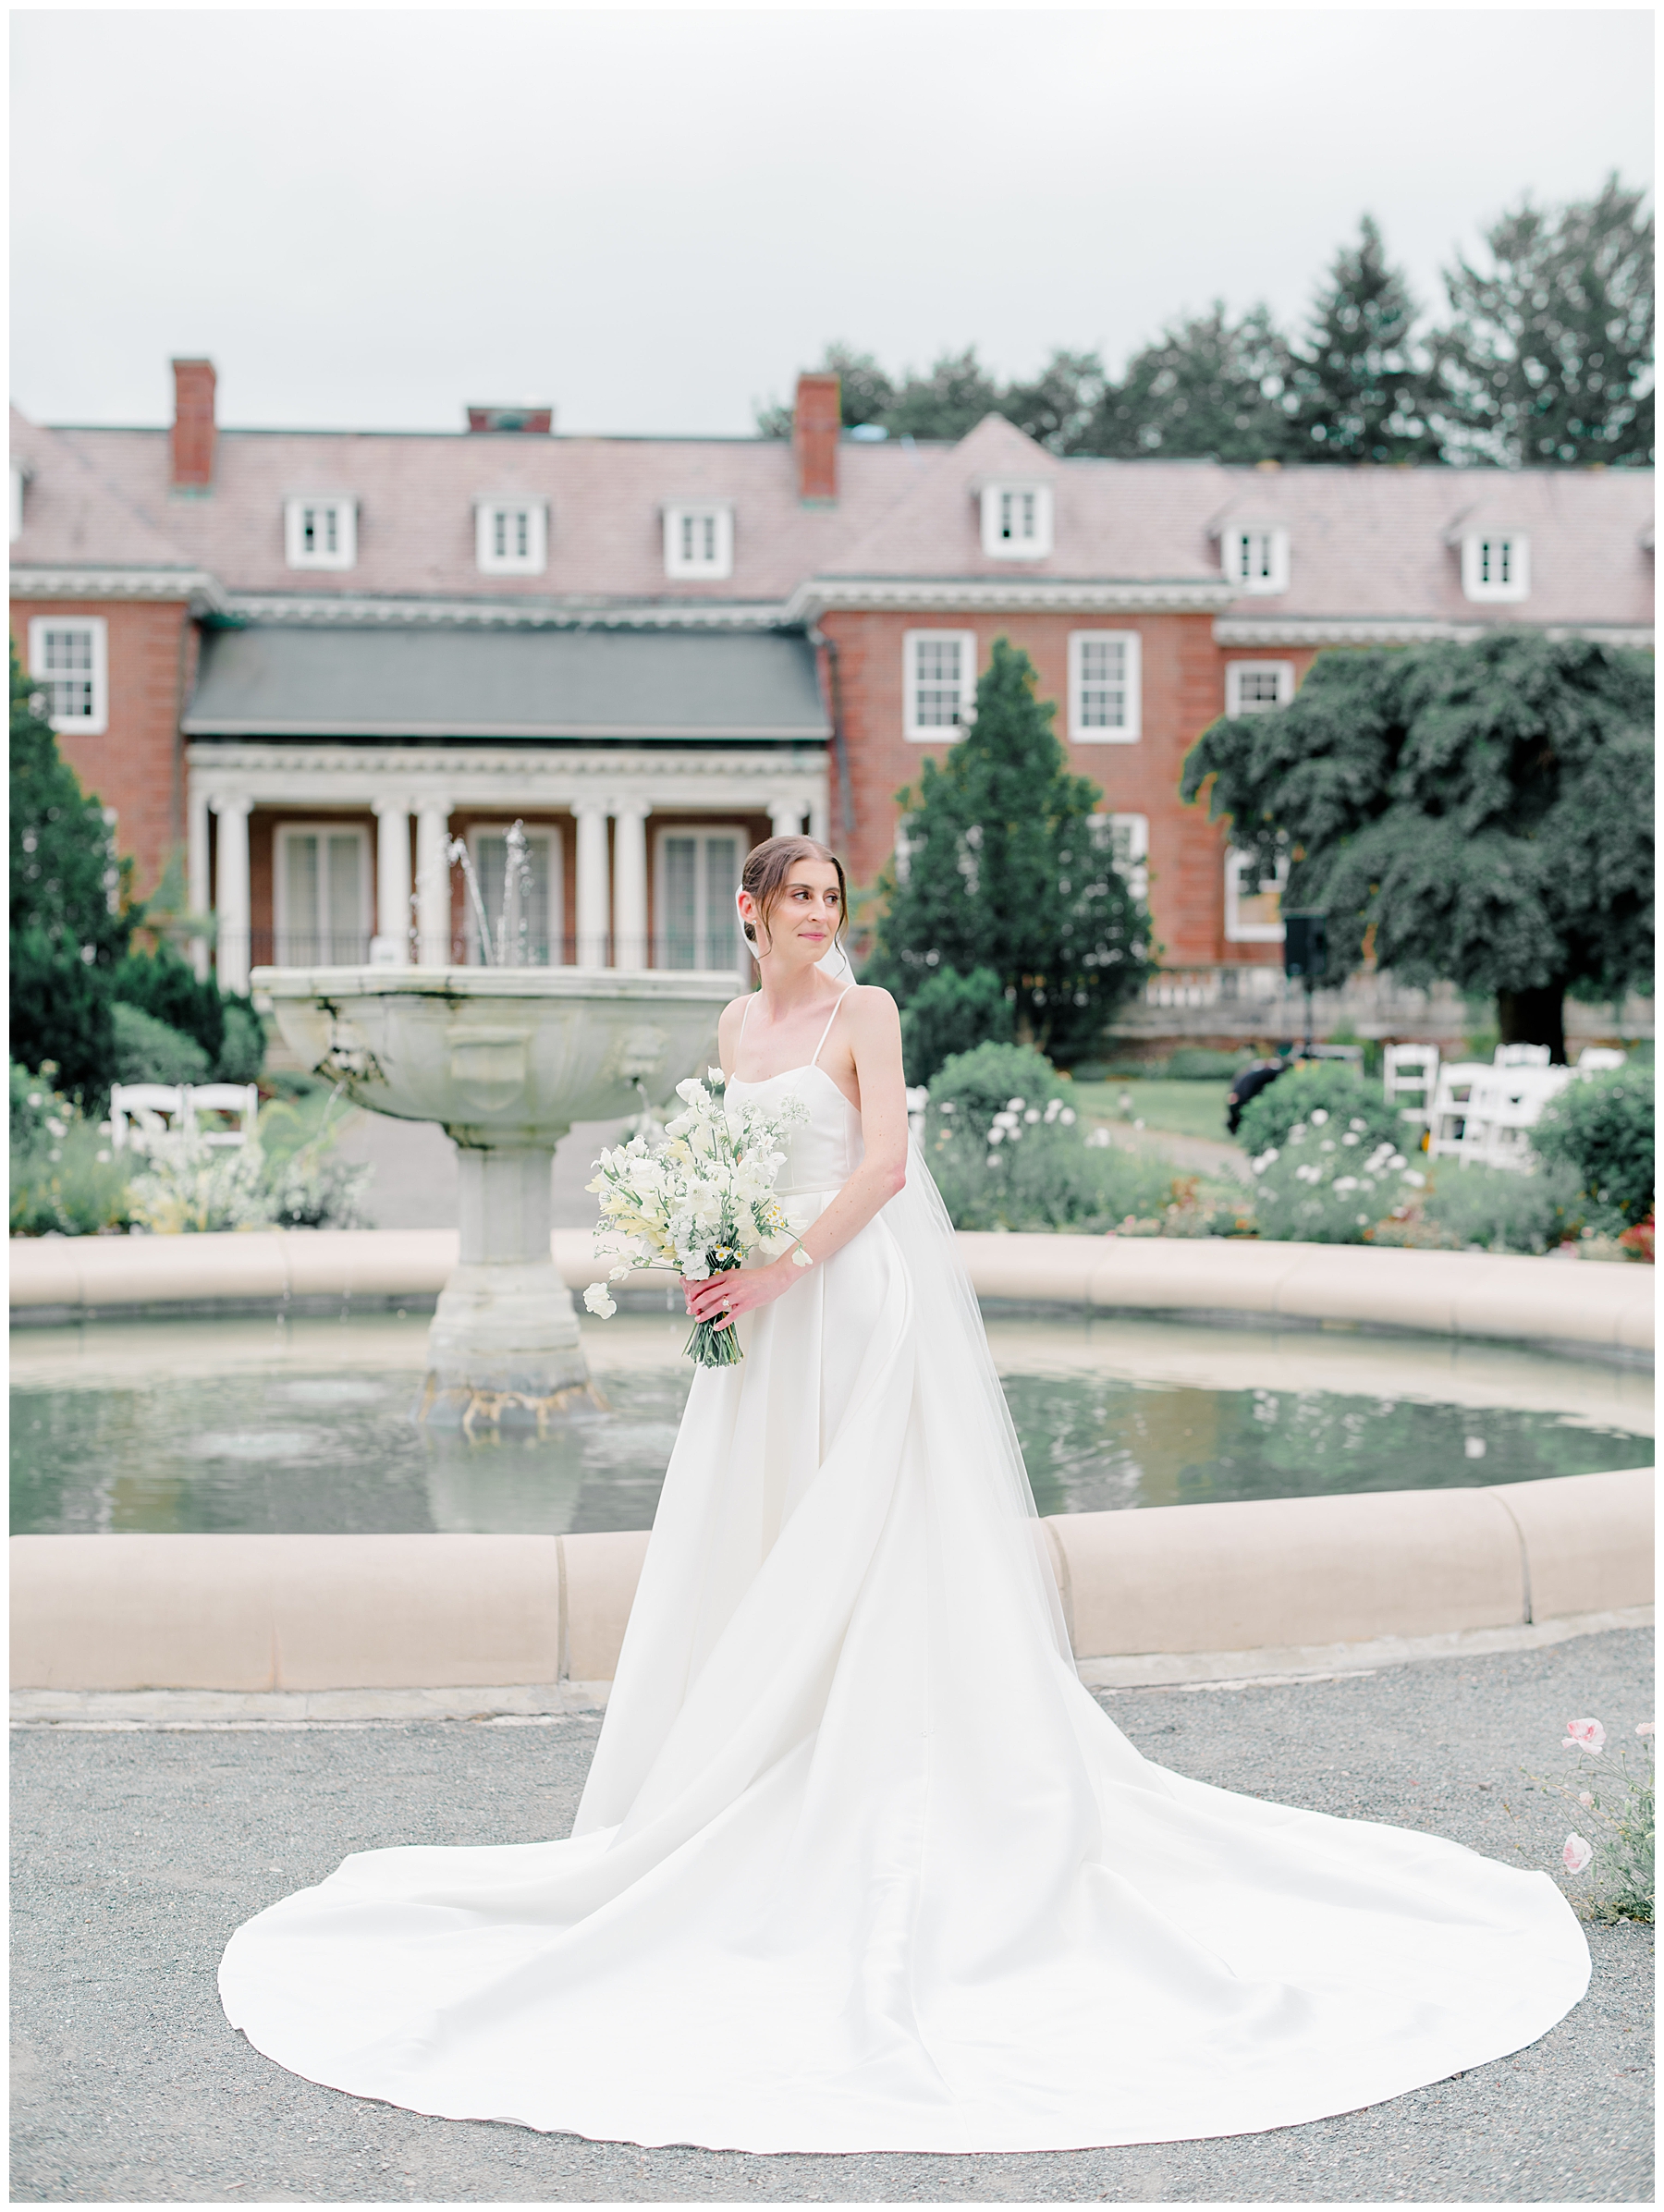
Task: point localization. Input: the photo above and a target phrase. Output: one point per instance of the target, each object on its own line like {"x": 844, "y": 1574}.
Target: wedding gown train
{"x": 860, "y": 1864}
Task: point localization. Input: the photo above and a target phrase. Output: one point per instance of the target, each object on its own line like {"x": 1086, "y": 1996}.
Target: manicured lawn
{"x": 1186, "y": 1110}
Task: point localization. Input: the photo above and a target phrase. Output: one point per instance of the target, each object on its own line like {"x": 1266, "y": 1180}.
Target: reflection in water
{"x": 180, "y": 1428}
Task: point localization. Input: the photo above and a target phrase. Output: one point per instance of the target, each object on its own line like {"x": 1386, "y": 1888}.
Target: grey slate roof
{"x": 467, "y": 683}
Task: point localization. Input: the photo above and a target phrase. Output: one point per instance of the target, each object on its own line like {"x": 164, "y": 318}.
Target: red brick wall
{"x": 1183, "y": 691}
{"x": 137, "y": 766}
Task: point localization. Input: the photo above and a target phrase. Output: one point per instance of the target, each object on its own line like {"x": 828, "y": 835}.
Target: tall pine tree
{"x": 1005, "y": 873}
{"x": 1209, "y": 389}
{"x": 1548, "y": 360}
{"x": 1357, "y": 389}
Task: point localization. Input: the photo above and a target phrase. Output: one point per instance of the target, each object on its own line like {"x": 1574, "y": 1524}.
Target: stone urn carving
{"x": 504, "y": 1060}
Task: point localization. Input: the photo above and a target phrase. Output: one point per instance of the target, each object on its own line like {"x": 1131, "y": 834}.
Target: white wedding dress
{"x": 860, "y": 1864}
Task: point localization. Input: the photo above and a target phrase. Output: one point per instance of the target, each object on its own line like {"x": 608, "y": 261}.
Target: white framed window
{"x": 696, "y": 872}
{"x": 1255, "y": 687}
{"x": 1105, "y": 703}
{"x": 511, "y": 537}
{"x": 1255, "y": 557}
{"x": 320, "y": 895}
{"x": 68, "y": 654}
{"x": 524, "y": 915}
{"x": 1252, "y": 902}
{"x": 320, "y": 533}
{"x": 1017, "y": 520}
{"x": 1496, "y": 564}
{"x": 1127, "y": 839}
{"x": 699, "y": 541}
{"x": 939, "y": 680}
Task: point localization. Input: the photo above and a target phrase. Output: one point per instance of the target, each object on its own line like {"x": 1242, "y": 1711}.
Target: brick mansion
{"x": 307, "y": 661}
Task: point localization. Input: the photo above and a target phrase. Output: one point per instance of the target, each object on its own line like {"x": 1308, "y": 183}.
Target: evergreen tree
{"x": 1003, "y": 874}
{"x": 1485, "y": 810}
{"x": 1058, "y": 408}
{"x": 1356, "y": 389}
{"x": 950, "y": 401}
{"x": 1207, "y": 390}
{"x": 1548, "y": 360}
{"x": 66, "y": 933}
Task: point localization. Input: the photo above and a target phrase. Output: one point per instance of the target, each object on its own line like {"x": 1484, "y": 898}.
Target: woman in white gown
{"x": 860, "y": 1865}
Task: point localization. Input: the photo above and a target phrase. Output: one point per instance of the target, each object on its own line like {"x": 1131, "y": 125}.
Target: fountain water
{"x": 505, "y": 1056}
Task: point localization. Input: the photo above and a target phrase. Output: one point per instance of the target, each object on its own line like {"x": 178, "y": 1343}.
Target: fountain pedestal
{"x": 506, "y": 1059}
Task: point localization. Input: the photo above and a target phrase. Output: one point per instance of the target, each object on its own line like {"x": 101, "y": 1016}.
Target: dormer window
{"x": 1017, "y": 521}
{"x": 1496, "y": 564}
{"x": 699, "y": 541}
{"x": 511, "y": 537}
{"x": 1257, "y": 557}
{"x": 320, "y": 534}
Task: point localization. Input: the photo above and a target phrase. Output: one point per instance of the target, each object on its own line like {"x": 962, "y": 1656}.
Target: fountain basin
{"x": 505, "y": 1060}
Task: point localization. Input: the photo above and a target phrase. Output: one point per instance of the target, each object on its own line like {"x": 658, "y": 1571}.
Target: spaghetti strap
{"x": 831, "y": 1018}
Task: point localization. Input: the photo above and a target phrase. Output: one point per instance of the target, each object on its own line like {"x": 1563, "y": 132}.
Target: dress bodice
{"x": 821, "y": 1152}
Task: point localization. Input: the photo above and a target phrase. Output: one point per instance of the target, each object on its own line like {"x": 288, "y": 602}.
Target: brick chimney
{"x": 193, "y": 432}
{"x": 815, "y": 423}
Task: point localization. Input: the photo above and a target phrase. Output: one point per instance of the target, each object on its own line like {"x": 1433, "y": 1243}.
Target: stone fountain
{"x": 504, "y": 1060}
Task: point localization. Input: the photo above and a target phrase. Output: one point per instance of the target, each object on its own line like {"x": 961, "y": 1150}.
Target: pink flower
{"x": 1576, "y": 1854}
{"x": 1583, "y": 1798}
{"x": 1583, "y": 1735}
{"x": 1644, "y": 1727}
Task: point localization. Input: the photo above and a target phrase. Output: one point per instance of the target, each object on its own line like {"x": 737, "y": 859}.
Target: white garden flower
{"x": 1346, "y": 1183}
{"x": 1577, "y": 1853}
{"x": 1319, "y": 1115}
{"x": 1413, "y": 1176}
{"x": 597, "y": 1299}
{"x": 1032, "y": 1114}
{"x": 1067, "y": 1116}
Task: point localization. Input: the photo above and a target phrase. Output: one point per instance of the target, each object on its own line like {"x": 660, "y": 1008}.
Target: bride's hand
{"x": 723, "y": 1298}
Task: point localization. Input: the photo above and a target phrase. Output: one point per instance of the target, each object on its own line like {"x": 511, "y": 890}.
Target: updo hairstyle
{"x": 767, "y": 867}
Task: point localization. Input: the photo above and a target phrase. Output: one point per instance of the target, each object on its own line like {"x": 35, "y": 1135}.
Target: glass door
{"x": 698, "y": 875}
{"x": 323, "y": 886}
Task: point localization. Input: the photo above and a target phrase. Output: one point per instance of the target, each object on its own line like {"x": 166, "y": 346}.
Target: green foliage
{"x": 1612, "y": 1794}
{"x": 1600, "y": 1130}
{"x": 1355, "y": 390}
{"x": 1548, "y": 360}
{"x": 66, "y": 1179}
{"x": 946, "y": 403}
{"x": 60, "y": 1014}
{"x": 1486, "y": 1209}
{"x": 1327, "y": 1087}
{"x": 1196, "y": 1064}
{"x": 1004, "y": 873}
{"x": 1208, "y": 388}
{"x": 168, "y": 989}
{"x": 148, "y": 1051}
{"x": 953, "y": 1013}
{"x": 242, "y": 1050}
{"x": 1485, "y": 809}
{"x": 1059, "y": 407}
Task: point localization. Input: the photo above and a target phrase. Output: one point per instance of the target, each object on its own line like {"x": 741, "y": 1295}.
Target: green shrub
{"x": 67, "y": 1180}
{"x": 1601, "y": 1129}
{"x": 60, "y": 1014}
{"x": 168, "y": 989}
{"x": 953, "y": 1014}
{"x": 1486, "y": 1209}
{"x": 976, "y": 1085}
{"x": 148, "y": 1051}
{"x": 243, "y": 1046}
{"x": 1190, "y": 1063}
{"x": 1327, "y": 1087}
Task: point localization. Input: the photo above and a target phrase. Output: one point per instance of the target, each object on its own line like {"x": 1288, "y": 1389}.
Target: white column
{"x": 785, "y": 817}
{"x": 591, "y": 815}
{"x": 818, "y": 821}
{"x": 196, "y": 870}
{"x": 231, "y": 903}
{"x": 629, "y": 882}
{"x": 392, "y": 882}
{"x": 433, "y": 884}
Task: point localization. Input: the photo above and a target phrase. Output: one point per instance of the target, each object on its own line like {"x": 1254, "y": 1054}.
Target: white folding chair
{"x": 1593, "y": 1058}
{"x": 1504, "y": 1107}
{"x": 138, "y": 1109}
{"x": 1449, "y": 1113}
{"x": 1521, "y": 1055}
{"x": 1412, "y": 1071}
{"x": 241, "y": 1099}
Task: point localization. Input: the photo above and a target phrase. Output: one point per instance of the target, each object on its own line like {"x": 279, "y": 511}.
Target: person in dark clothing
{"x": 1248, "y": 1084}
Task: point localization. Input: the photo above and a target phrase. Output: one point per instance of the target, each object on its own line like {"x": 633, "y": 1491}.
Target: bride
{"x": 860, "y": 1864}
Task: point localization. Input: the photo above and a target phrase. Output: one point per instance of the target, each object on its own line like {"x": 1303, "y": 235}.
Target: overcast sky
{"x": 653, "y": 220}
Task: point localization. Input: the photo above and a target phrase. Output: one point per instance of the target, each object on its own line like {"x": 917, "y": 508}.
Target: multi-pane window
{"x": 1127, "y": 839}
{"x": 1495, "y": 565}
{"x": 698, "y": 875}
{"x": 320, "y": 534}
{"x": 1255, "y": 687}
{"x": 1253, "y": 900}
{"x": 699, "y": 541}
{"x": 940, "y": 683}
{"x": 522, "y": 906}
{"x": 1104, "y": 701}
{"x": 510, "y": 537}
{"x": 1257, "y": 557}
{"x": 323, "y": 896}
{"x": 67, "y": 657}
{"x": 1017, "y": 520}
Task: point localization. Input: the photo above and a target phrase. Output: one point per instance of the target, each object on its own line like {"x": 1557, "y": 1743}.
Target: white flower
{"x": 1415, "y": 1177}
{"x": 1357, "y": 1121}
{"x": 1067, "y": 1116}
{"x": 1015, "y": 1106}
{"x": 1297, "y": 1134}
{"x": 1585, "y": 1799}
{"x": 104, "y": 1160}
{"x": 715, "y": 1078}
{"x": 1346, "y": 1183}
{"x": 1576, "y": 1854}
{"x": 1644, "y": 1727}
{"x": 56, "y": 1125}
{"x": 996, "y": 1134}
{"x": 1583, "y": 1735}
{"x": 1319, "y": 1115}
{"x": 1397, "y": 1160}
{"x": 599, "y": 1301}
{"x": 1349, "y": 1138}
{"x": 1033, "y": 1114}
{"x": 800, "y": 1258}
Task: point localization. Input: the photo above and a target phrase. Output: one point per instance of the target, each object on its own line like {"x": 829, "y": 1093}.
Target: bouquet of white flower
{"x": 698, "y": 1201}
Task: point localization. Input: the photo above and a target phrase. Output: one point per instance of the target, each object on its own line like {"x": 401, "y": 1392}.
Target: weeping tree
{"x": 1010, "y": 915}
{"x": 1479, "y": 814}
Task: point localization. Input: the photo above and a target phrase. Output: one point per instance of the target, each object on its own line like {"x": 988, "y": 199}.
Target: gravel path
{"x": 136, "y": 1855}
